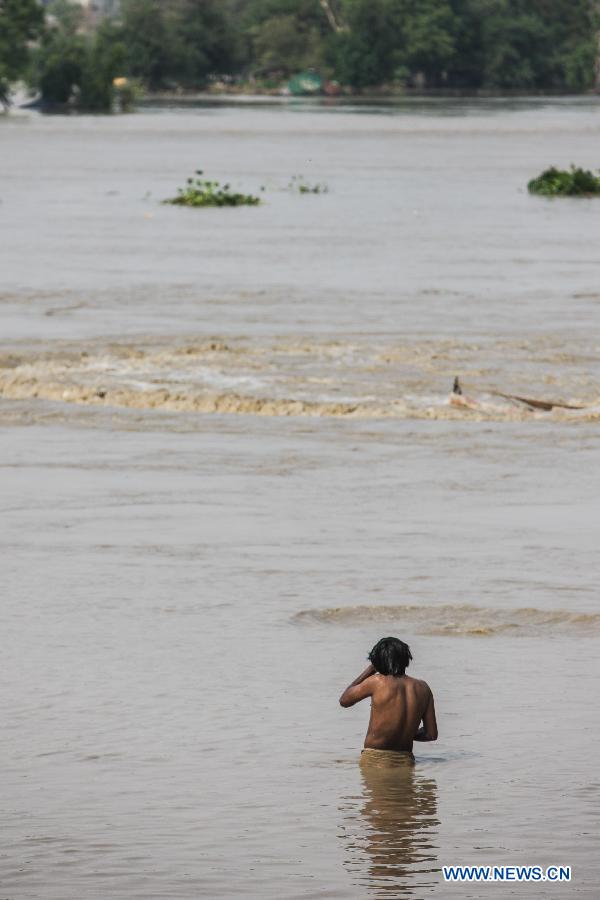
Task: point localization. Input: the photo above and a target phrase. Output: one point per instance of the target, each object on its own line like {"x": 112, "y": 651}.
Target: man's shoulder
{"x": 420, "y": 684}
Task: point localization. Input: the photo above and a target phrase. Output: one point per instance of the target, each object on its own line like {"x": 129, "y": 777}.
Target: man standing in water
{"x": 399, "y": 704}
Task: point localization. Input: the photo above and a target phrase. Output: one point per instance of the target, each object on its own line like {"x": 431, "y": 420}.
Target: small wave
{"x": 176, "y": 400}
{"x": 461, "y": 620}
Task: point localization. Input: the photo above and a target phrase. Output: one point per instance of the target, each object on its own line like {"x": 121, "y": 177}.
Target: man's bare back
{"x": 399, "y": 704}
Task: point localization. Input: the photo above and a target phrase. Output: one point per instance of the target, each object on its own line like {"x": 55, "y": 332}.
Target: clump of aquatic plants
{"x": 202, "y": 192}
{"x": 575, "y": 182}
{"x": 299, "y": 184}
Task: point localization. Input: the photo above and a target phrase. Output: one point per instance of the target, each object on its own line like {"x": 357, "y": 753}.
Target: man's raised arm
{"x": 360, "y": 688}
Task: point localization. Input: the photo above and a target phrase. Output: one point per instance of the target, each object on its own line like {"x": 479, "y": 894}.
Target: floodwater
{"x": 229, "y": 465}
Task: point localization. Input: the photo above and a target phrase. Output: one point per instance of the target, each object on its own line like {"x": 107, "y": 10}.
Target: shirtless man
{"x": 399, "y": 703}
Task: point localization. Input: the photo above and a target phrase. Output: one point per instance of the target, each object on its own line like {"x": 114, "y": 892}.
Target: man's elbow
{"x": 345, "y": 701}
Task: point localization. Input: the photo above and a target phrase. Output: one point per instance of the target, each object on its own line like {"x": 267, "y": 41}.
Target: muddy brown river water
{"x": 229, "y": 465}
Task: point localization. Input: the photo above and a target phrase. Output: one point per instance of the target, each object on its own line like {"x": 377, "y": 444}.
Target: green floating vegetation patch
{"x": 299, "y": 184}
{"x": 560, "y": 183}
{"x": 201, "y": 192}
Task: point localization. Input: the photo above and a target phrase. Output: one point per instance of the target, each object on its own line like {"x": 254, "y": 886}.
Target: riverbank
{"x": 251, "y": 90}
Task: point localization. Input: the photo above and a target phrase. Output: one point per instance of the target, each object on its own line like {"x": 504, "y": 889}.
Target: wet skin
{"x": 398, "y": 706}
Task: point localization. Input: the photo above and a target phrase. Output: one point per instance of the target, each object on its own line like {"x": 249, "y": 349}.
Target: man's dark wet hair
{"x": 390, "y": 656}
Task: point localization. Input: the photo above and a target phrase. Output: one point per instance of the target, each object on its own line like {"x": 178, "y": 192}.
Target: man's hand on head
{"x": 358, "y": 690}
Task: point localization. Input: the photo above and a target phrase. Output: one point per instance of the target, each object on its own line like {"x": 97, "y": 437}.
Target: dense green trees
{"x": 186, "y": 41}
{"x": 147, "y": 39}
{"x": 203, "y": 40}
{"x": 538, "y": 43}
{"x": 20, "y": 22}
{"x": 469, "y": 43}
{"x": 398, "y": 40}
{"x": 179, "y": 41}
{"x": 284, "y": 36}
{"x": 71, "y": 65}
{"x": 496, "y": 44}
{"x": 103, "y": 61}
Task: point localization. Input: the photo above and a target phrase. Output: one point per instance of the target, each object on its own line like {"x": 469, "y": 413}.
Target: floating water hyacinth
{"x": 299, "y": 184}
{"x": 554, "y": 182}
{"x": 201, "y": 192}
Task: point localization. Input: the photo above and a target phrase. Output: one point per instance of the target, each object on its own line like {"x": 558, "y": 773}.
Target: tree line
{"x": 363, "y": 44}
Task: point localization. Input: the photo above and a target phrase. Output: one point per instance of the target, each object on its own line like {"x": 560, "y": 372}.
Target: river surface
{"x": 230, "y": 463}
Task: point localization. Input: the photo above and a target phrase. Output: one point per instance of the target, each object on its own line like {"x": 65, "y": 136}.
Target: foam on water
{"x": 371, "y": 380}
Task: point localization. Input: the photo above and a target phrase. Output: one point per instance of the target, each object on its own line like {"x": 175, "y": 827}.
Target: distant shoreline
{"x": 375, "y": 94}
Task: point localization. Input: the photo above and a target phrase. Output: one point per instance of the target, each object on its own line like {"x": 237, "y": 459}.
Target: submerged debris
{"x": 457, "y": 398}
